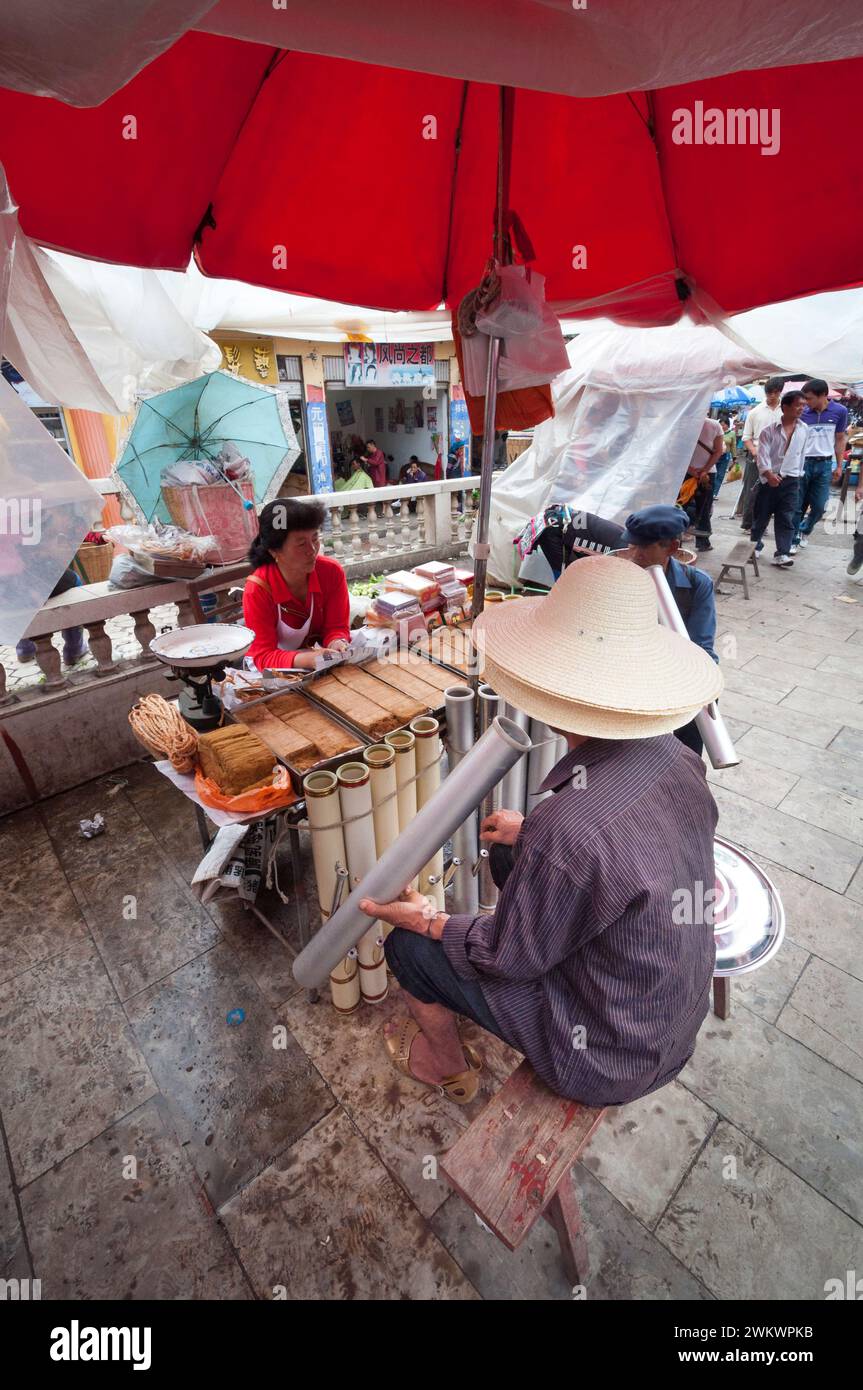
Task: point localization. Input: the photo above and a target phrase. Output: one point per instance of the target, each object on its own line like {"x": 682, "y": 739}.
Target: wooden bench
{"x": 513, "y": 1164}
{"x": 741, "y": 555}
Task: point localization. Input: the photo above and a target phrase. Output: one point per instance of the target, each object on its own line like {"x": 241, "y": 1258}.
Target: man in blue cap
{"x": 652, "y": 537}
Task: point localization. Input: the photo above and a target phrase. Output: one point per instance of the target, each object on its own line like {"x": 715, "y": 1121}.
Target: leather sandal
{"x": 461, "y": 1087}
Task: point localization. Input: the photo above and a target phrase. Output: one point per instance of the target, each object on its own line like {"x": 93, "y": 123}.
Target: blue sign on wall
{"x": 318, "y": 447}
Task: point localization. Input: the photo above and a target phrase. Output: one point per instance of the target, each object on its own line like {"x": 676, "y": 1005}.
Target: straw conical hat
{"x": 592, "y": 658}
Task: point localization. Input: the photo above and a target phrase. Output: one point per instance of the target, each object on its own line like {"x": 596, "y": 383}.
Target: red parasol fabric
{"x": 376, "y": 186}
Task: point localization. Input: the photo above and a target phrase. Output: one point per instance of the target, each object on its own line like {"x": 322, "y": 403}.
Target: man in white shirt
{"x": 780, "y": 462}
{"x": 708, "y": 451}
{"x": 767, "y": 413}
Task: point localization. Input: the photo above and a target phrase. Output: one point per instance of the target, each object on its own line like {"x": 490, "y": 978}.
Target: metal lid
{"x": 749, "y": 920}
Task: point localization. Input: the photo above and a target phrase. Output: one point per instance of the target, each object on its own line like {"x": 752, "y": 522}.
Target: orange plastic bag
{"x": 687, "y": 491}
{"x": 249, "y": 803}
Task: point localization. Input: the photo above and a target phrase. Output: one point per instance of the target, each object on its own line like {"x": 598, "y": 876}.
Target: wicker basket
{"x": 217, "y": 511}
{"x": 93, "y": 562}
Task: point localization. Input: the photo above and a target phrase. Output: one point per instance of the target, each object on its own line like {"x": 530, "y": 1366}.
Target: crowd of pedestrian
{"x": 794, "y": 443}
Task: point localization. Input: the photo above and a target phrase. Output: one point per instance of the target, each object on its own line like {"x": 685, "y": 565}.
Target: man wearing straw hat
{"x": 597, "y": 962}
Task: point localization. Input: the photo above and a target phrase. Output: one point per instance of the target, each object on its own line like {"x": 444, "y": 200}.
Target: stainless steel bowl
{"x": 749, "y": 920}
{"x": 202, "y": 645}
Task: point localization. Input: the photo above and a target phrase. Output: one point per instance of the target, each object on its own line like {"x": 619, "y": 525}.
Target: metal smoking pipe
{"x": 717, "y": 740}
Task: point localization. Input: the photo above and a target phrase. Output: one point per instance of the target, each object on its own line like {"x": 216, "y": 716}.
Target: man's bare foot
{"x": 421, "y": 1060}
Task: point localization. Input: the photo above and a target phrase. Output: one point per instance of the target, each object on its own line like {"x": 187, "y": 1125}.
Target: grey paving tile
{"x": 825, "y": 1011}
{"x": 744, "y": 681}
{"x": 789, "y": 673}
{"x": 800, "y": 647}
{"x": 758, "y": 781}
{"x": 626, "y": 1261}
{"x": 13, "y": 1252}
{"x": 261, "y": 956}
{"x": 641, "y": 1151}
{"x": 167, "y": 813}
{"x": 125, "y": 838}
{"x": 827, "y": 858}
{"x": 842, "y": 661}
{"x": 825, "y": 707}
{"x": 21, "y": 832}
{"x": 848, "y": 743}
{"x": 766, "y": 990}
{"x": 823, "y": 765}
{"x": 827, "y": 924}
{"x": 855, "y": 887}
{"x": 801, "y": 1109}
{"x": 829, "y": 809}
{"x": 817, "y": 732}
{"x": 123, "y": 1219}
{"x": 327, "y": 1222}
{"x": 169, "y": 926}
{"x": 39, "y": 916}
{"x": 69, "y": 1066}
{"x": 750, "y": 1229}
{"x": 403, "y": 1122}
{"x": 236, "y": 1099}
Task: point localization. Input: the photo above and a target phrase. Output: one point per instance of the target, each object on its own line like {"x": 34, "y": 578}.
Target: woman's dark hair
{"x": 276, "y": 522}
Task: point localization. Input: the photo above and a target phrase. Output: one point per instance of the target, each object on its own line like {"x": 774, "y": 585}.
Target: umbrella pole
{"x": 481, "y": 546}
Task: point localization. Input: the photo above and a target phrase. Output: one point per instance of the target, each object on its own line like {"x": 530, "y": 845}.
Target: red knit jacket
{"x": 328, "y": 591}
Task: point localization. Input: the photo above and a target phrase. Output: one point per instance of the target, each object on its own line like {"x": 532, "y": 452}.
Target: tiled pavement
{"x": 149, "y": 1150}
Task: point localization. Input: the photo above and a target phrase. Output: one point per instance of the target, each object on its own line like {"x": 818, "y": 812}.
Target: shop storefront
{"x": 405, "y": 396}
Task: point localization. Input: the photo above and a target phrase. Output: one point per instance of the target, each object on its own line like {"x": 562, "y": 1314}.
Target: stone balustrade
{"x": 366, "y": 532}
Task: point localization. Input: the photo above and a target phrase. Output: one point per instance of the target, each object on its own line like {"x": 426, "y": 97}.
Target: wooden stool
{"x": 514, "y": 1164}
{"x": 742, "y": 554}
{"x": 722, "y": 996}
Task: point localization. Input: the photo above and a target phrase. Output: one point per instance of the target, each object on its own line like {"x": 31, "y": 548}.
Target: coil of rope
{"x": 164, "y": 732}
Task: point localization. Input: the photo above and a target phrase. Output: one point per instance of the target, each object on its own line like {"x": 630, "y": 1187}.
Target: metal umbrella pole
{"x": 481, "y": 546}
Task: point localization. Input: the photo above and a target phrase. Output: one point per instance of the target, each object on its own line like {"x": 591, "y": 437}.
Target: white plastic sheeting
{"x": 231, "y": 305}
{"x": 82, "y": 50}
{"x": 628, "y": 414}
{"x": 88, "y": 335}
{"x": 47, "y": 506}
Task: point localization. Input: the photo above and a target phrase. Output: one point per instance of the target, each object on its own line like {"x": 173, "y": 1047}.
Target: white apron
{"x": 288, "y": 639}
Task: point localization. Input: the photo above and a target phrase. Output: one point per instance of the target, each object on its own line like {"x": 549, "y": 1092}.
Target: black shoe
{"x": 703, "y": 545}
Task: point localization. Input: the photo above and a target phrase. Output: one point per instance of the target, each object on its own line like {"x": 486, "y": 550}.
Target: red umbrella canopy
{"x": 377, "y": 186}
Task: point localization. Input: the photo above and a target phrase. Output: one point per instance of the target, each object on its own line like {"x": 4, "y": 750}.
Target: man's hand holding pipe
{"x": 411, "y": 911}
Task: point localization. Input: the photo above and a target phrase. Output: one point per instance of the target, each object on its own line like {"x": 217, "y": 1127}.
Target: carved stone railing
{"x": 390, "y": 526}
{"x": 366, "y": 532}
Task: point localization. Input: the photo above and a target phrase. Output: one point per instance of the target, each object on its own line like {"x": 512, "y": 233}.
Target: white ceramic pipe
{"x": 323, "y": 807}
{"x": 460, "y": 703}
{"x": 426, "y": 731}
{"x": 404, "y": 745}
{"x": 717, "y": 740}
{"x": 355, "y": 795}
{"x": 489, "y": 703}
{"x": 380, "y": 760}
{"x": 482, "y": 768}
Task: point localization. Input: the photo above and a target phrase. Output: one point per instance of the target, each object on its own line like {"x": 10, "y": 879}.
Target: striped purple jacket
{"x": 583, "y": 963}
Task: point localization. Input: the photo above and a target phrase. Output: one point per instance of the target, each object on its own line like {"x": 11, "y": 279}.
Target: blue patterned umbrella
{"x": 195, "y": 421}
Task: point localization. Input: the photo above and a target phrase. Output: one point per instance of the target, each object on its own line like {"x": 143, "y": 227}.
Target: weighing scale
{"x": 198, "y": 655}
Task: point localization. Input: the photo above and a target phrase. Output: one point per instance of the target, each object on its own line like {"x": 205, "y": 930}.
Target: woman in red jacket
{"x": 296, "y": 597}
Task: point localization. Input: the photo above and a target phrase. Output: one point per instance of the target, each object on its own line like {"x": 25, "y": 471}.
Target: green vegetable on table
{"x": 366, "y": 588}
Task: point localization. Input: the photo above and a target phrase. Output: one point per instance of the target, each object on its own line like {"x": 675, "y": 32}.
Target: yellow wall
{"x": 254, "y": 358}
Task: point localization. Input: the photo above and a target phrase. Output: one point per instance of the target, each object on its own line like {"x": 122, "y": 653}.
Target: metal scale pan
{"x": 749, "y": 920}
